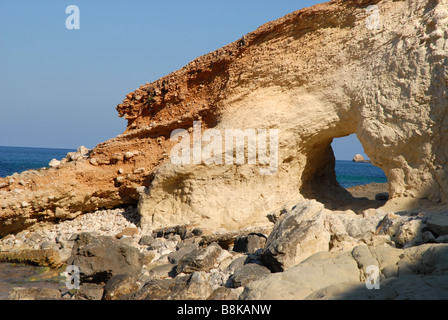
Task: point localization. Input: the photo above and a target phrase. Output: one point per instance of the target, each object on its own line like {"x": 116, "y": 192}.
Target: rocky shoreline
{"x": 119, "y": 261}
{"x": 160, "y": 255}
{"x": 225, "y": 231}
{"x": 372, "y": 191}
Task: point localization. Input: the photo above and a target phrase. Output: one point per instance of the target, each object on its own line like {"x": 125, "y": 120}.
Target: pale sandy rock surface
{"x": 315, "y": 98}
{"x": 418, "y": 273}
{"x": 316, "y": 74}
{"x": 359, "y": 158}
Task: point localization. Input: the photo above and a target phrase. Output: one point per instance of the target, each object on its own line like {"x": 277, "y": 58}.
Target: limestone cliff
{"x": 314, "y": 75}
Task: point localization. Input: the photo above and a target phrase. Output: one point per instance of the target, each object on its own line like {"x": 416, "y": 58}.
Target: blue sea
{"x": 350, "y": 174}
{"x": 18, "y": 159}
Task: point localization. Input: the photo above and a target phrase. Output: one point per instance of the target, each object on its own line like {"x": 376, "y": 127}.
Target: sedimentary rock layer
{"x": 314, "y": 75}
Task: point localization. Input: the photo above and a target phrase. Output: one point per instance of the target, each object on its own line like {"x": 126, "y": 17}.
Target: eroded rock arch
{"x": 315, "y": 74}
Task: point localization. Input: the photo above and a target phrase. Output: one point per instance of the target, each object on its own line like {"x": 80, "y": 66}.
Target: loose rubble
{"x": 119, "y": 260}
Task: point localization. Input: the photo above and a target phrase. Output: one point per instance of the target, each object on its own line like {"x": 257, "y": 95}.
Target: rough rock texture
{"x": 438, "y": 224}
{"x": 405, "y": 274}
{"x": 101, "y": 258}
{"x": 409, "y": 253}
{"x": 40, "y": 257}
{"x": 296, "y": 236}
{"x": 90, "y": 291}
{"x": 248, "y": 273}
{"x": 201, "y": 259}
{"x": 119, "y": 286}
{"x": 34, "y": 293}
{"x": 360, "y": 158}
{"x": 304, "y": 279}
{"x": 193, "y": 287}
{"x": 316, "y": 74}
{"x": 309, "y": 228}
{"x": 307, "y": 75}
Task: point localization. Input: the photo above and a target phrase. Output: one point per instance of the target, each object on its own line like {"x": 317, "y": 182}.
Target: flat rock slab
{"x": 40, "y": 257}
{"x": 100, "y": 258}
{"x": 33, "y": 293}
{"x": 201, "y": 259}
{"x": 438, "y": 224}
{"x": 302, "y": 280}
{"x": 248, "y": 273}
{"x": 415, "y": 273}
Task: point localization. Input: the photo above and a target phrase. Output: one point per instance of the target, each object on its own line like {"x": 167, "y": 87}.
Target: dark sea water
{"x": 18, "y": 159}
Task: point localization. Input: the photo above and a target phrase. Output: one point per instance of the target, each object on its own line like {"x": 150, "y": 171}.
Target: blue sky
{"x": 59, "y": 87}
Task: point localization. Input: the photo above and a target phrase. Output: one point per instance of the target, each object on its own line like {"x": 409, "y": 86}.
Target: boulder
{"x": 40, "y": 257}
{"x": 161, "y": 271}
{"x": 434, "y": 259}
{"x": 246, "y": 274}
{"x": 81, "y": 153}
{"x": 364, "y": 258}
{"x": 89, "y": 291}
{"x": 302, "y": 280}
{"x": 192, "y": 287}
{"x": 438, "y": 224}
{"x": 120, "y": 286}
{"x": 348, "y": 229}
{"x": 54, "y": 163}
{"x": 101, "y": 258}
{"x": 201, "y": 259}
{"x": 414, "y": 273}
{"x": 34, "y": 293}
{"x": 415, "y": 287}
{"x": 197, "y": 288}
{"x": 409, "y": 233}
{"x": 359, "y": 158}
{"x": 296, "y": 236}
{"x": 428, "y": 237}
{"x": 237, "y": 263}
{"x": 442, "y": 239}
{"x": 162, "y": 246}
{"x": 421, "y": 275}
{"x": 223, "y": 293}
{"x": 157, "y": 289}
{"x": 310, "y": 228}
{"x": 176, "y": 256}
{"x": 390, "y": 224}
{"x": 249, "y": 243}
{"x": 146, "y": 240}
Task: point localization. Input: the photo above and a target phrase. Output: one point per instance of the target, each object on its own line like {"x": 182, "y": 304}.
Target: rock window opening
{"x": 357, "y": 174}
{"x": 349, "y": 180}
